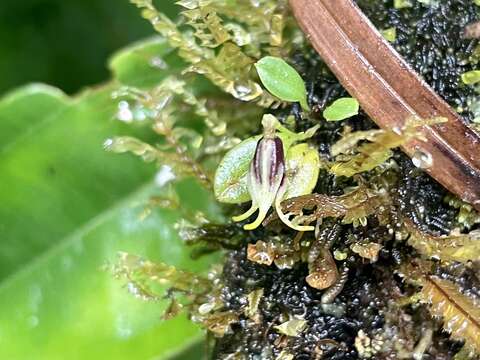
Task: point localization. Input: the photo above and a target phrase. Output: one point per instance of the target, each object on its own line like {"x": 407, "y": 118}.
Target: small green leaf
{"x": 230, "y": 183}
{"x": 401, "y": 4}
{"x": 390, "y": 34}
{"x": 341, "y": 109}
{"x": 303, "y": 167}
{"x": 282, "y": 80}
{"x": 471, "y": 77}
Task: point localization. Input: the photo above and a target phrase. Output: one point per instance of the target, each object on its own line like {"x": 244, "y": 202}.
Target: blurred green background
{"x": 66, "y": 43}
{"x": 67, "y": 207}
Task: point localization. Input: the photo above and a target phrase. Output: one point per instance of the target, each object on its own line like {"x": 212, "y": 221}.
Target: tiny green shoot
{"x": 390, "y": 34}
{"x": 471, "y": 77}
{"x": 341, "y": 109}
{"x": 282, "y": 80}
{"x": 401, "y": 4}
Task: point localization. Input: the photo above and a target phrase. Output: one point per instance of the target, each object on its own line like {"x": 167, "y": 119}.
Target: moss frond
{"x": 461, "y": 316}
{"x": 455, "y": 247}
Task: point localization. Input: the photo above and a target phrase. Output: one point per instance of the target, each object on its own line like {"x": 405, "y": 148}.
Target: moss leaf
{"x": 293, "y": 327}
{"x": 460, "y": 247}
{"x": 461, "y": 316}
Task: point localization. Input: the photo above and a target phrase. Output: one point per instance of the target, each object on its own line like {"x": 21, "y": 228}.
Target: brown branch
{"x": 390, "y": 91}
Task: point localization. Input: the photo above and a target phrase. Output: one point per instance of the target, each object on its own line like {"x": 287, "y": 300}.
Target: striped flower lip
{"x": 267, "y": 180}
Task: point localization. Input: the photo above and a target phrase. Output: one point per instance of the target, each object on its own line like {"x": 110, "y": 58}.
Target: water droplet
{"x": 107, "y": 144}
{"x": 158, "y": 62}
{"x": 140, "y": 113}
{"x": 35, "y": 297}
{"x": 422, "y": 159}
{"x": 124, "y": 330}
{"x": 33, "y": 321}
{"x": 135, "y": 291}
{"x": 67, "y": 263}
{"x": 78, "y": 247}
{"x": 206, "y": 308}
{"x": 242, "y": 90}
{"x": 164, "y": 176}
{"x": 124, "y": 113}
{"x": 397, "y": 130}
{"x": 247, "y": 92}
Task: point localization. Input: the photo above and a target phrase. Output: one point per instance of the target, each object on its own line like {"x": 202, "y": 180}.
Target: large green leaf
{"x": 67, "y": 207}
{"x": 66, "y": 43}
{"x": 55, "y": 175}
{"x": 145, "y": 63}
{"x": 62, "y": 303}
{"x": 21, "y": 111}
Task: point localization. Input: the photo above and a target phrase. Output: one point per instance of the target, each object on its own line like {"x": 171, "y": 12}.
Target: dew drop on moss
{"x": 422, "y": 159}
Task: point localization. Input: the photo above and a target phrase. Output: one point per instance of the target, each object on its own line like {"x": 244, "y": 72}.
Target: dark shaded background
{"x": 65, "y": 43}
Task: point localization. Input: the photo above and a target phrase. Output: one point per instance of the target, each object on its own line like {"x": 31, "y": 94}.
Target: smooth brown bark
{"x": 390, "y": 91}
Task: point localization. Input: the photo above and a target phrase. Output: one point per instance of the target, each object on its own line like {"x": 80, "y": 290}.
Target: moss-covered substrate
{"x": 429, "y": 37}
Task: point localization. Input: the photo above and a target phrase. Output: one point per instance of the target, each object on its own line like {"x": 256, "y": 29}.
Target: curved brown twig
{"x": 390, "y": 91}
